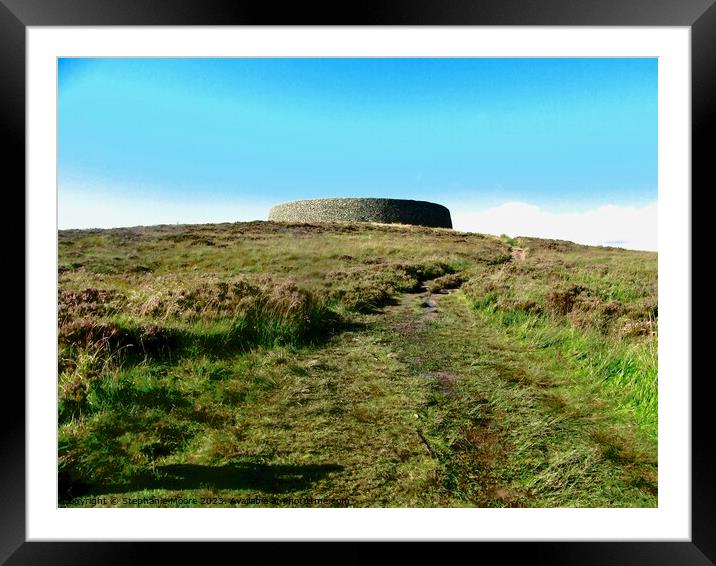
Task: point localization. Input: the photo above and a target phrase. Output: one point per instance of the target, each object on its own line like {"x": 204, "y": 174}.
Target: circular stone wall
{"x": 384, "y": 210}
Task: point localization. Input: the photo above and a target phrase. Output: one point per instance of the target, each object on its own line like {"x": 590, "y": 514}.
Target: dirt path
{"x": 436, "y": 335}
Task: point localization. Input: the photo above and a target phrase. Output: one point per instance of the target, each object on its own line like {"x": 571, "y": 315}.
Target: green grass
{"x": 272, "y": 360}
{"x": 593, "y": 309}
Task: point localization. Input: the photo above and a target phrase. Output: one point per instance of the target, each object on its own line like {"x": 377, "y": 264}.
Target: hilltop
{"x": 273, "y": 364}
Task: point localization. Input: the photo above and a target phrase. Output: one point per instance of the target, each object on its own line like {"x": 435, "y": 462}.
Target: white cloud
{"x": 626, "y": 227}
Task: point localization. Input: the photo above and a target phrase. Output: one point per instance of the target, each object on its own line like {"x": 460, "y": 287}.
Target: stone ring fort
{"x": 383, "y": 210}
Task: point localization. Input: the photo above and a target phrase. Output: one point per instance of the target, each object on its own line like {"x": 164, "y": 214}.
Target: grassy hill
{"x": 275, "y": 364}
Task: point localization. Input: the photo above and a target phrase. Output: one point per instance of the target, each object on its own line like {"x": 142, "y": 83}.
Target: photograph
{"x": 354, "y": 282}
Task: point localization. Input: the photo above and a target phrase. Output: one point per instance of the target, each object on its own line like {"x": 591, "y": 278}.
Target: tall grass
{"x": 593, "y": 309}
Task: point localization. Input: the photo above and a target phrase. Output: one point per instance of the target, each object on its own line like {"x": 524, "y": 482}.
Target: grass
{"x": 355, "y": 364}
{"x": 594, "y": 310}
{"x": 508, "y": 431}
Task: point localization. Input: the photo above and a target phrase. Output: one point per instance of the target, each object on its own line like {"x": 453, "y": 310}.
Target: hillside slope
{"x": 278, "y": 364}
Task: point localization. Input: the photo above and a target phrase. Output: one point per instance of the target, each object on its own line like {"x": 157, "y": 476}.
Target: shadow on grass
{"x": 134, "y": 343}
{"x": 371, "y": 306}
{"x": 261, "y": 477}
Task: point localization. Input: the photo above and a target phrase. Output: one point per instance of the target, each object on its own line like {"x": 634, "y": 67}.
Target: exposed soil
{"x": 477, "y": 454}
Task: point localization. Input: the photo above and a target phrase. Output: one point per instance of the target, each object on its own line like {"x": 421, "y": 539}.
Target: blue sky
{"x": 145, "y": 141}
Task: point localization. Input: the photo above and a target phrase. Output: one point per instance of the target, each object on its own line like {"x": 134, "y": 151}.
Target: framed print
{"x": 398, "y": 278}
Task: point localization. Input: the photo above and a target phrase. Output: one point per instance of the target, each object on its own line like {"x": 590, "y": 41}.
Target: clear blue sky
{"x": 562, "y": 134}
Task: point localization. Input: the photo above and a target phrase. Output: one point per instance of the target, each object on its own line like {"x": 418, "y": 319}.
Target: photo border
{"x": 699, "y": 15}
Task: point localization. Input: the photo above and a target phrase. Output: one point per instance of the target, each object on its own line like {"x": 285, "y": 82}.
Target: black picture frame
{"x": 698, "y": 15}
